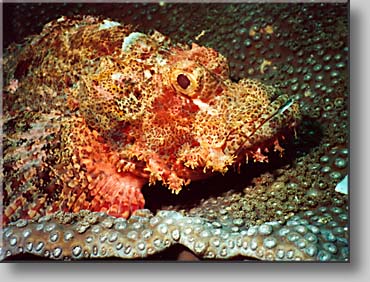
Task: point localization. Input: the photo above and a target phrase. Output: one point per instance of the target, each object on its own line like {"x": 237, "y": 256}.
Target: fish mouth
{"x": 252, "y": 137}
{"x": 281, "y": 113}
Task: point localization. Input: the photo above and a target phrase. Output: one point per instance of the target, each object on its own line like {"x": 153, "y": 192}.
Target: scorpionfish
{"x": 94, "y": 110}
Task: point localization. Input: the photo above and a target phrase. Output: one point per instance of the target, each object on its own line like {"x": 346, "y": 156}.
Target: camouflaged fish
{"x": 94, "y": 110}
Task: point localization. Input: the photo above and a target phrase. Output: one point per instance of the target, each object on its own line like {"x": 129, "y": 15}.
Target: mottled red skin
{"x": 119, "y": 118}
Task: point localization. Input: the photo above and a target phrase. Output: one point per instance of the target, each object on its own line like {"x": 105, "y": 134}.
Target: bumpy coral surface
{"x": 94, "y": 109}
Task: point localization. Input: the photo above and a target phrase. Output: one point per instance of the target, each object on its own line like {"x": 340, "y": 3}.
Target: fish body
{"x": 94, "y": 110}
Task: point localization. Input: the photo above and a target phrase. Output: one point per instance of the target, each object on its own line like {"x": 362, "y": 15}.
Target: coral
{"x": 300, "y": 49}
{"x": 314, "y": 235}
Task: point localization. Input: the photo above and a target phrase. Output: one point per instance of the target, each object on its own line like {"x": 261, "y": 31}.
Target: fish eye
{"x": 183, "y": 81}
